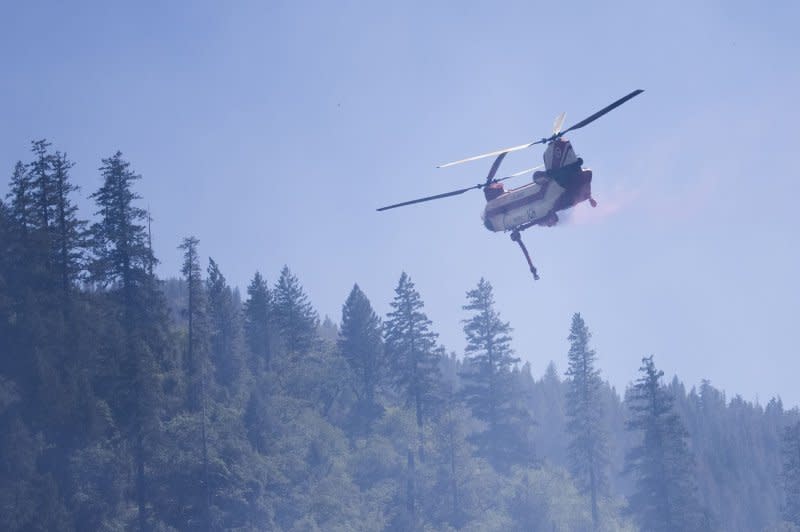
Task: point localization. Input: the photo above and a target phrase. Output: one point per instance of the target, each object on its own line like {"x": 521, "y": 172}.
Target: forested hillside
{"x": 129, "y": 402}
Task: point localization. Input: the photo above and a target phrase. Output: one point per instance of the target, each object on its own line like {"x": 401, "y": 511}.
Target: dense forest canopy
{"x": 133, "y": 402}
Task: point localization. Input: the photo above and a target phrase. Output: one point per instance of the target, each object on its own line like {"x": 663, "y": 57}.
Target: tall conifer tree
{"x": 197, "y": 332}
{"x": 30, "y": 267}
{"x": 122, "y": 255}
{"x": 665, "y": 495}
{"x": 69, "y": 232}
{"x": 587, "y": 447}
{"x": 412, "y": 353}
{"x": 258, "y": 323}
{"x": 122, "y": 262}
{"x": 224, "y": 328}
{"x": 296, "y": 319}
{"x": 21, "y": 201}
{"x": 41, "y": 177}
{"x": 196, "y": 351}
{"x": 487, "y": 375}
{"x": 361, "y": 345}
{"x": 27, "y": 277}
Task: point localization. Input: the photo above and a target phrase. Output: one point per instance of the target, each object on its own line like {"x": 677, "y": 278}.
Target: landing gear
{"x": 516, "y": 237}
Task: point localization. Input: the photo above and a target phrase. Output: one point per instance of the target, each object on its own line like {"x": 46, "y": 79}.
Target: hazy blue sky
{"x": 271, "y": 131}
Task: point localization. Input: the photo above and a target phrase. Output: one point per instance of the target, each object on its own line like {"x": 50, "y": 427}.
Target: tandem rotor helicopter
{"x": 563, "y": 184}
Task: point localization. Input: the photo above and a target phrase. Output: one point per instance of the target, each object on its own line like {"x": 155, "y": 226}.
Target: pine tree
{"x": 122, "y": 254}
{"x": 196, "y": 351}
{"x": 587, "y": 449}
{"x": 52, "y": 240}
{"x": 122, "y": 261}
{"x": 40, "y": 203}
{"x": 41, "y": 178}
{"x": 665, "y": 494}
{"x": 224, "y": 329}
{"x": 25, "y": 279}
{"x": 412, "y": 353}
{"x": 41, "y": 270}
{"x": 361, "y": 345}
{"x": 258, "y": 324}
{"x": 295, "y": 318}
{"x": 197, "y": 332}
{"x": 29, "y": 268}
{"x": 22, "y": 201}
{"x": 69, "y": 232}
{"x": 487, "y": 375}
{"x": 791, "y": 473}
{"x": 66, "y": 379}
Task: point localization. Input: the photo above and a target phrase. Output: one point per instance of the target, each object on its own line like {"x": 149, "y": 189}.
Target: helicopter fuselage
{"x": 562, "y": 185}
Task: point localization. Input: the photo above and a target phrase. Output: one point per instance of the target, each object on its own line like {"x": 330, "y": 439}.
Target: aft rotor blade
{"x": 430, "y": 198}
{"x": 521, "y": 172}
{"x": 602, "y": 111}
{"x": 490, "y": 154}
{"x": 558, "y": 123}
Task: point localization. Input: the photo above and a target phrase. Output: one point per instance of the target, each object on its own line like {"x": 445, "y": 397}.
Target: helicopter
{"x": 562, "y": 184}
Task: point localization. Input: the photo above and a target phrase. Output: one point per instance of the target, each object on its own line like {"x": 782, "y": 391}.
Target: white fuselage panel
{"x": 520, "y": 206}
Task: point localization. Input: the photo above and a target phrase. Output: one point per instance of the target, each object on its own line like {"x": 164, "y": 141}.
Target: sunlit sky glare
{"x": 272, "y": 130}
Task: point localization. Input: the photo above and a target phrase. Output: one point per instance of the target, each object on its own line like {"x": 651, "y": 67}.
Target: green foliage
{"x": 361, "y": 345}
{"x": 120, "y": 245}
{"x": 123, "y": 263}
{"x": 584, "y": 409}
{"x": 117, "y": 415}
{"x": 69, "y": 233}
{"x": 735, "y": 445}
{"x": 196, "y": 359}
{"x": 258, "y": 324}
{"x": 411, "y": 351}
{"x": 665, "y": 496}
{"x": 41, "y": 178}
{"x": 22, "y": 203}
{"x": 791, "y": 473}
{"x": 99, "y": 491}
{"x": 452, "y": 465}
{"x": 487, "y": 382}
{"x": 29, "y": 499}
{"x": 295, "y": 318}
{"x": 225, "y": 330}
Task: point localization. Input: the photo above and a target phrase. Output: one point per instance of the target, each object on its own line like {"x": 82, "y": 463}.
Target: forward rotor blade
{"x": 490, "y": 154}
{"x": 457, "y": 192}
{"x": 602, "y": 111}
{"x": 429, "y": 198}
{"x": 495, "y": 166}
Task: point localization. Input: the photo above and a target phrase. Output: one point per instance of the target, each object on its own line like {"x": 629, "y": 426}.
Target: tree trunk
{"x": 205, "y": 450}
{"x": 140, "y": 497}
{"x": 410, "y": 490}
